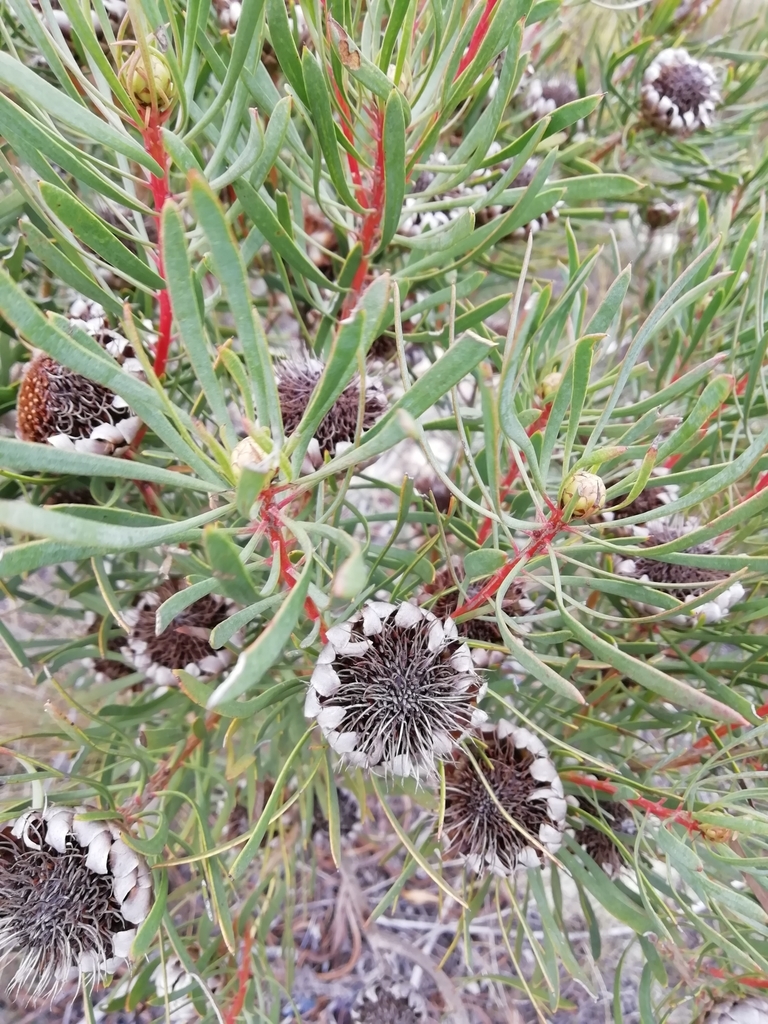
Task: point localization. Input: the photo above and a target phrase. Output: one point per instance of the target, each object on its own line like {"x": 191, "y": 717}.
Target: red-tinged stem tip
{"x": 477, "y": 38}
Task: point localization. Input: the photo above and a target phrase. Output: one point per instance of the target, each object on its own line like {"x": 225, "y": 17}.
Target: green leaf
{"x": 281, "y": 37}
{"x": 224, "y": 557}
{"x": 319, "y": 103}
{"x": 648, "y": 676}
{"x": 230, "y": 270}
{"x": 19, "y": 79}
{"x": 145, "y": 936}
{"x": 394, "y": 148}
{"x": 256, "y": 660}
{"x": 92, "y": 230}
{"x": 181, "y": 288}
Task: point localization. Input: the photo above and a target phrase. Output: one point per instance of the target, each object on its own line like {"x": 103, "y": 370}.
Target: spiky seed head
{"x": 526, "y": 789}
{"x": 660, "y": 214}
{"x": 296, "y": 383}
{"x": 389, "y": 1002}
{"x": 482, "y": 629}
{"x": 394, "y": 688}
{"x": 427, "y": 484}
{"x": 692, "y": 581}
{"x": 647, "y": 501}
{"x": 65, "y": 409}
{"x": 90, "y": 317}
{"x": 589, "y": 491}
{"x": 679, "y": 93}
{"x": 752, "y": 1010}
{"x": 600, "y": 845}
{"x": 184, "y": 644}
{"x": 72, "y": 894}
{"x": 548, "y": 385}
{"x": 545, "y": 97}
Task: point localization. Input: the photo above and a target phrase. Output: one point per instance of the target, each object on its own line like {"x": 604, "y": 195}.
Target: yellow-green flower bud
{"x": 589, "y": 491}
{"x": 548, "y": 385}
{"x": 137, "y": 80}
{"x": 247, "y": 454}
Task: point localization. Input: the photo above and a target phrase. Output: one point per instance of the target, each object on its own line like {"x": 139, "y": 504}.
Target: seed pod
{"x": 72, "y": 894}
{"x": 526, "y": 788}
{"x": 184, "y": 643}
{"x": 296, "y": 383}
{"x": 589, "y": 490}
{"x": 548, "y": 385}
{"x": 394, "y": 688}
{"x": 136, "y": 77}
{"x": 691, "y": 580}
{"x": 544, "y": 98}
{"x": 679, "y": 93}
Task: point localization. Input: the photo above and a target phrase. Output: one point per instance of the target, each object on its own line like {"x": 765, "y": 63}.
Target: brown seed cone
{"x": 601, "y": 846}
{"x": 480, "y": 629}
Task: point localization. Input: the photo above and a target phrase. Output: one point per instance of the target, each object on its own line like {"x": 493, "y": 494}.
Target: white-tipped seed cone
{"x": 679, "y": 93}
{"x": 184, "y": 644}
{"x": 389, "y": 1002}
{"x": 544, "y": 98}
{"x": 752, "y": 1010}
{"x": 589, "y": 491}
{"x": 72, "y": 894}
{"x": 394, "y": 689}
{"x": 525, "y": 784}
{"x": 686, "y": 582}
{"x": 647, "y": 501}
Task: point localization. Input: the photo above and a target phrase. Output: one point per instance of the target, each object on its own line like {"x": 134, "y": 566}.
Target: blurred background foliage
{"x": 341, "y": 181}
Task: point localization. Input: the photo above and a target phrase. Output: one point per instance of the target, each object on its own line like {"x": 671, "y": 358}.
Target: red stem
{"x": 654, "y": 807}
{"x": 751, "y": 981}
{"x": 374, "y": 203}
{"x": 161, "y": 191}
{"x": 477, "y": 37}
{"x": 546, "y": 534}
{"x": 243, "y": 977}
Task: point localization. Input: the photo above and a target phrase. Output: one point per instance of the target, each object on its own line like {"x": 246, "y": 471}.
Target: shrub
{"x": 386, "y": 507}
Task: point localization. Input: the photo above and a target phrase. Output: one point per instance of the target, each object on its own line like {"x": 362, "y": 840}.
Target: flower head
{"x": 65, "y": 409}
{"x": 295, "y": 384}
{"x": 646, "y": 501}
{"x": 691, "y": 581}
{"x": 71, "y": 895}
{"x": 394, "y": 688}
{"x": 90, "y": 317}
{"x": 141, "y": 77}
{"x": 389, "y": 1002}
{"x": 600, "y": 845}
{"x": 589, "y": 491}
{"x": 432, "y": 219}
{"x": 660, "y": 214}
{"x": 183, "y": 644}
{"x": 752, "y": 1010}
{"x": 483, "y": 630}
{"x": 545, "y": 97}
{"x": 679, "y": 93}
{"x": 526, "y": 788}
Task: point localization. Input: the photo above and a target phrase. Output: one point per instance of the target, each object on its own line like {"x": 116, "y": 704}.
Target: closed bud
{"x": 248, "y": 454}
{"x": 716, "y": 833}
{"x": 136, "y": 78}
{"x": 548, "y": 385}
{"x": 589, "y": 491}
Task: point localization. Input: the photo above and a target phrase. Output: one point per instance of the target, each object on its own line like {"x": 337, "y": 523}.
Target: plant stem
{"x": 477, "y": 38}
{"x": 161, "y": 191}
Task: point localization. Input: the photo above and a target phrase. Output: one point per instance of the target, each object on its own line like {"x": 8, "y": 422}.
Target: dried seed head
{"x": 646, "y": 501}
{"x": 484, "y": 630}
{"x": 752, "y": 1010}
{"x": 184, "y": 644}
{"x": 295, "y": 384}
{"x": 600, "y": 845}
{"x": 426, "y": 484}
{"x": 548, "y": 385}
{"x": 71, "y": 896}
{"x": 660, "y": 214}
{"x": 589, "y": 490}
{"x": 394, "y": 688}
{"x": 545, "y": 97}
{"x": 228, "y": 12}
{"x": 432, "y": 219}
{"x": 171, "y": 980}
{"x": 61, "y": 407}
{"x": 524, "y": 782}
{"x": 389, "y": 1002}
{"x": 522, "y": 180}
{"x": 691, "y": 580}
{"x": 107, "y": 669}
{"x": 349, "y": 814}
{"x": 679, "y": 93}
